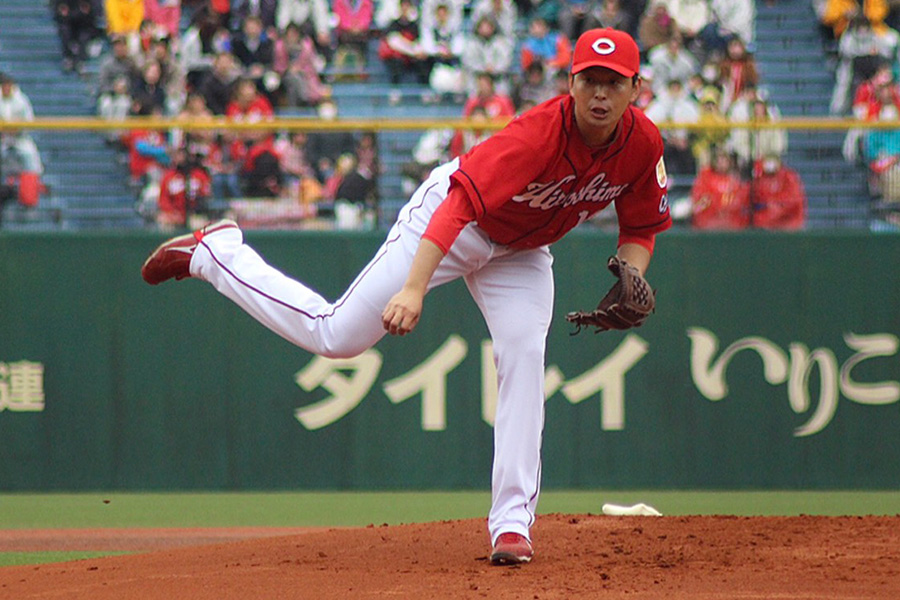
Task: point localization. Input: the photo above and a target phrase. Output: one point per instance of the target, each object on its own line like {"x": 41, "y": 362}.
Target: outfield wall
{"x": 772, "y": 362}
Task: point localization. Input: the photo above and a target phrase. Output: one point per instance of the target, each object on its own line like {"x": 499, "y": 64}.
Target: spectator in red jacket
{"x": 184, "y": 190}
{"x": 779, "y": 200}
{"x": 872, "y": 94}
{"x": 261, "y": 174}
{"x": 248, "y": 105}
{"x": 486, "y": 97}
{"x": 719, "y": 199}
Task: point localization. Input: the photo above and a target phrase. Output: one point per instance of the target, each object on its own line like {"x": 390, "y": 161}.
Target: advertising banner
{"x": 772, "y": 362}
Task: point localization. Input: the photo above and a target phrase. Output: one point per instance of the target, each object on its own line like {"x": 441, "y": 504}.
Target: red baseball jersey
{"x": 536, "y": 179}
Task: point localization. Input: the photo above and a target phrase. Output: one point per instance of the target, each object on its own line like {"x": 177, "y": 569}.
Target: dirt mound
{"x": 577, "y": 556}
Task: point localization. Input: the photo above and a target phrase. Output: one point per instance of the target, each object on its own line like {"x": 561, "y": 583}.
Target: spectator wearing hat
{"x": 717, "y": 132}
{"x": 777, "y": 196}
{"x": 117, "y": 64}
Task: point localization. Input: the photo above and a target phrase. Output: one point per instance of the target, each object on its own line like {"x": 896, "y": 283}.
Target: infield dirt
{"x": 577, "y": 556}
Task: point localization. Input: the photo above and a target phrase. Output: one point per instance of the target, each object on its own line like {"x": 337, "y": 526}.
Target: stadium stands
{"x": 792, "y": 62}
{"x": 88, "y": 184}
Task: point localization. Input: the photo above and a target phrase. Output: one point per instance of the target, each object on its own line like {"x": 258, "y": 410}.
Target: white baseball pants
{"x": 513, "y": 289}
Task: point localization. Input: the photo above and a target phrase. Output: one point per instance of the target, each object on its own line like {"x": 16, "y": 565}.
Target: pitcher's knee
{"x": 527, "y": 349}
{"x": 347, "y": 345}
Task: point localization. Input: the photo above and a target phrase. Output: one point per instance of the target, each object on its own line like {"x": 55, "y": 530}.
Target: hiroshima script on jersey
{"x": 548, "y": 195}
{"x": 536, "y": 179}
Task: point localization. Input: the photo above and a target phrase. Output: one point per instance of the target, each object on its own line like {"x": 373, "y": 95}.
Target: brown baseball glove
{"x": 627, "y": 304}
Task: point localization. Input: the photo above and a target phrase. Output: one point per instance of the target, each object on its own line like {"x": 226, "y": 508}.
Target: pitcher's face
{"x": 601, "y": 98}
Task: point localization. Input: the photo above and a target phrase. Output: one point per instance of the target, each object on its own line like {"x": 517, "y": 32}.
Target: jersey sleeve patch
{"x": 661, "y": 177}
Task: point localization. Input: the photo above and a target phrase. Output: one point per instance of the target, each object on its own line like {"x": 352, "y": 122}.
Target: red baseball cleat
{"x": 511, "y": 549}
{"x": 173, "y": 258}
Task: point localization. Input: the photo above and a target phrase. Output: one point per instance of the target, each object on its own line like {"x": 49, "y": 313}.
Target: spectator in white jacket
{"x": 487, "y": 50}
{"x": 504, "y": 13}
{"x": 751, "y": 146}
{"x": 691, "y": 16}
{"x": 303, "y": 12}
{"x": 736, "y": 17}
{"x": 444, "y": 44}
{"x": 675, "y": 104}
{"x": 428, "y": 9}
{"x": 728, "y": 18}
{"x": 17, "y": 146}
{"x": 388, "y": 11}
{"x": 671, "y": 61}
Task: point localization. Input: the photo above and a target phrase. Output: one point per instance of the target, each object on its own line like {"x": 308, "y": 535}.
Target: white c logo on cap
{"x": 604, "y": 46}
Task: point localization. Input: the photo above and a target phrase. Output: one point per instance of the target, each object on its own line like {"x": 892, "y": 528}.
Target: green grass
{"x": 13, "y": 559}
{"x": 302, "y": 509}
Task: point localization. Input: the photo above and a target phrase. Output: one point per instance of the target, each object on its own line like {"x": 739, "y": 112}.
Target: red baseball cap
{"x": 608, "y": 48}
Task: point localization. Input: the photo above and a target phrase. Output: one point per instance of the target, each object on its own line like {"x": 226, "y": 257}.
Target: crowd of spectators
{"x": 864, "y": 40}
{"x": 247, "y": 59}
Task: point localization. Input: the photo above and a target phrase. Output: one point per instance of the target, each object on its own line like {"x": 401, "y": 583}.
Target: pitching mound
{"x": 584, "y": 556}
